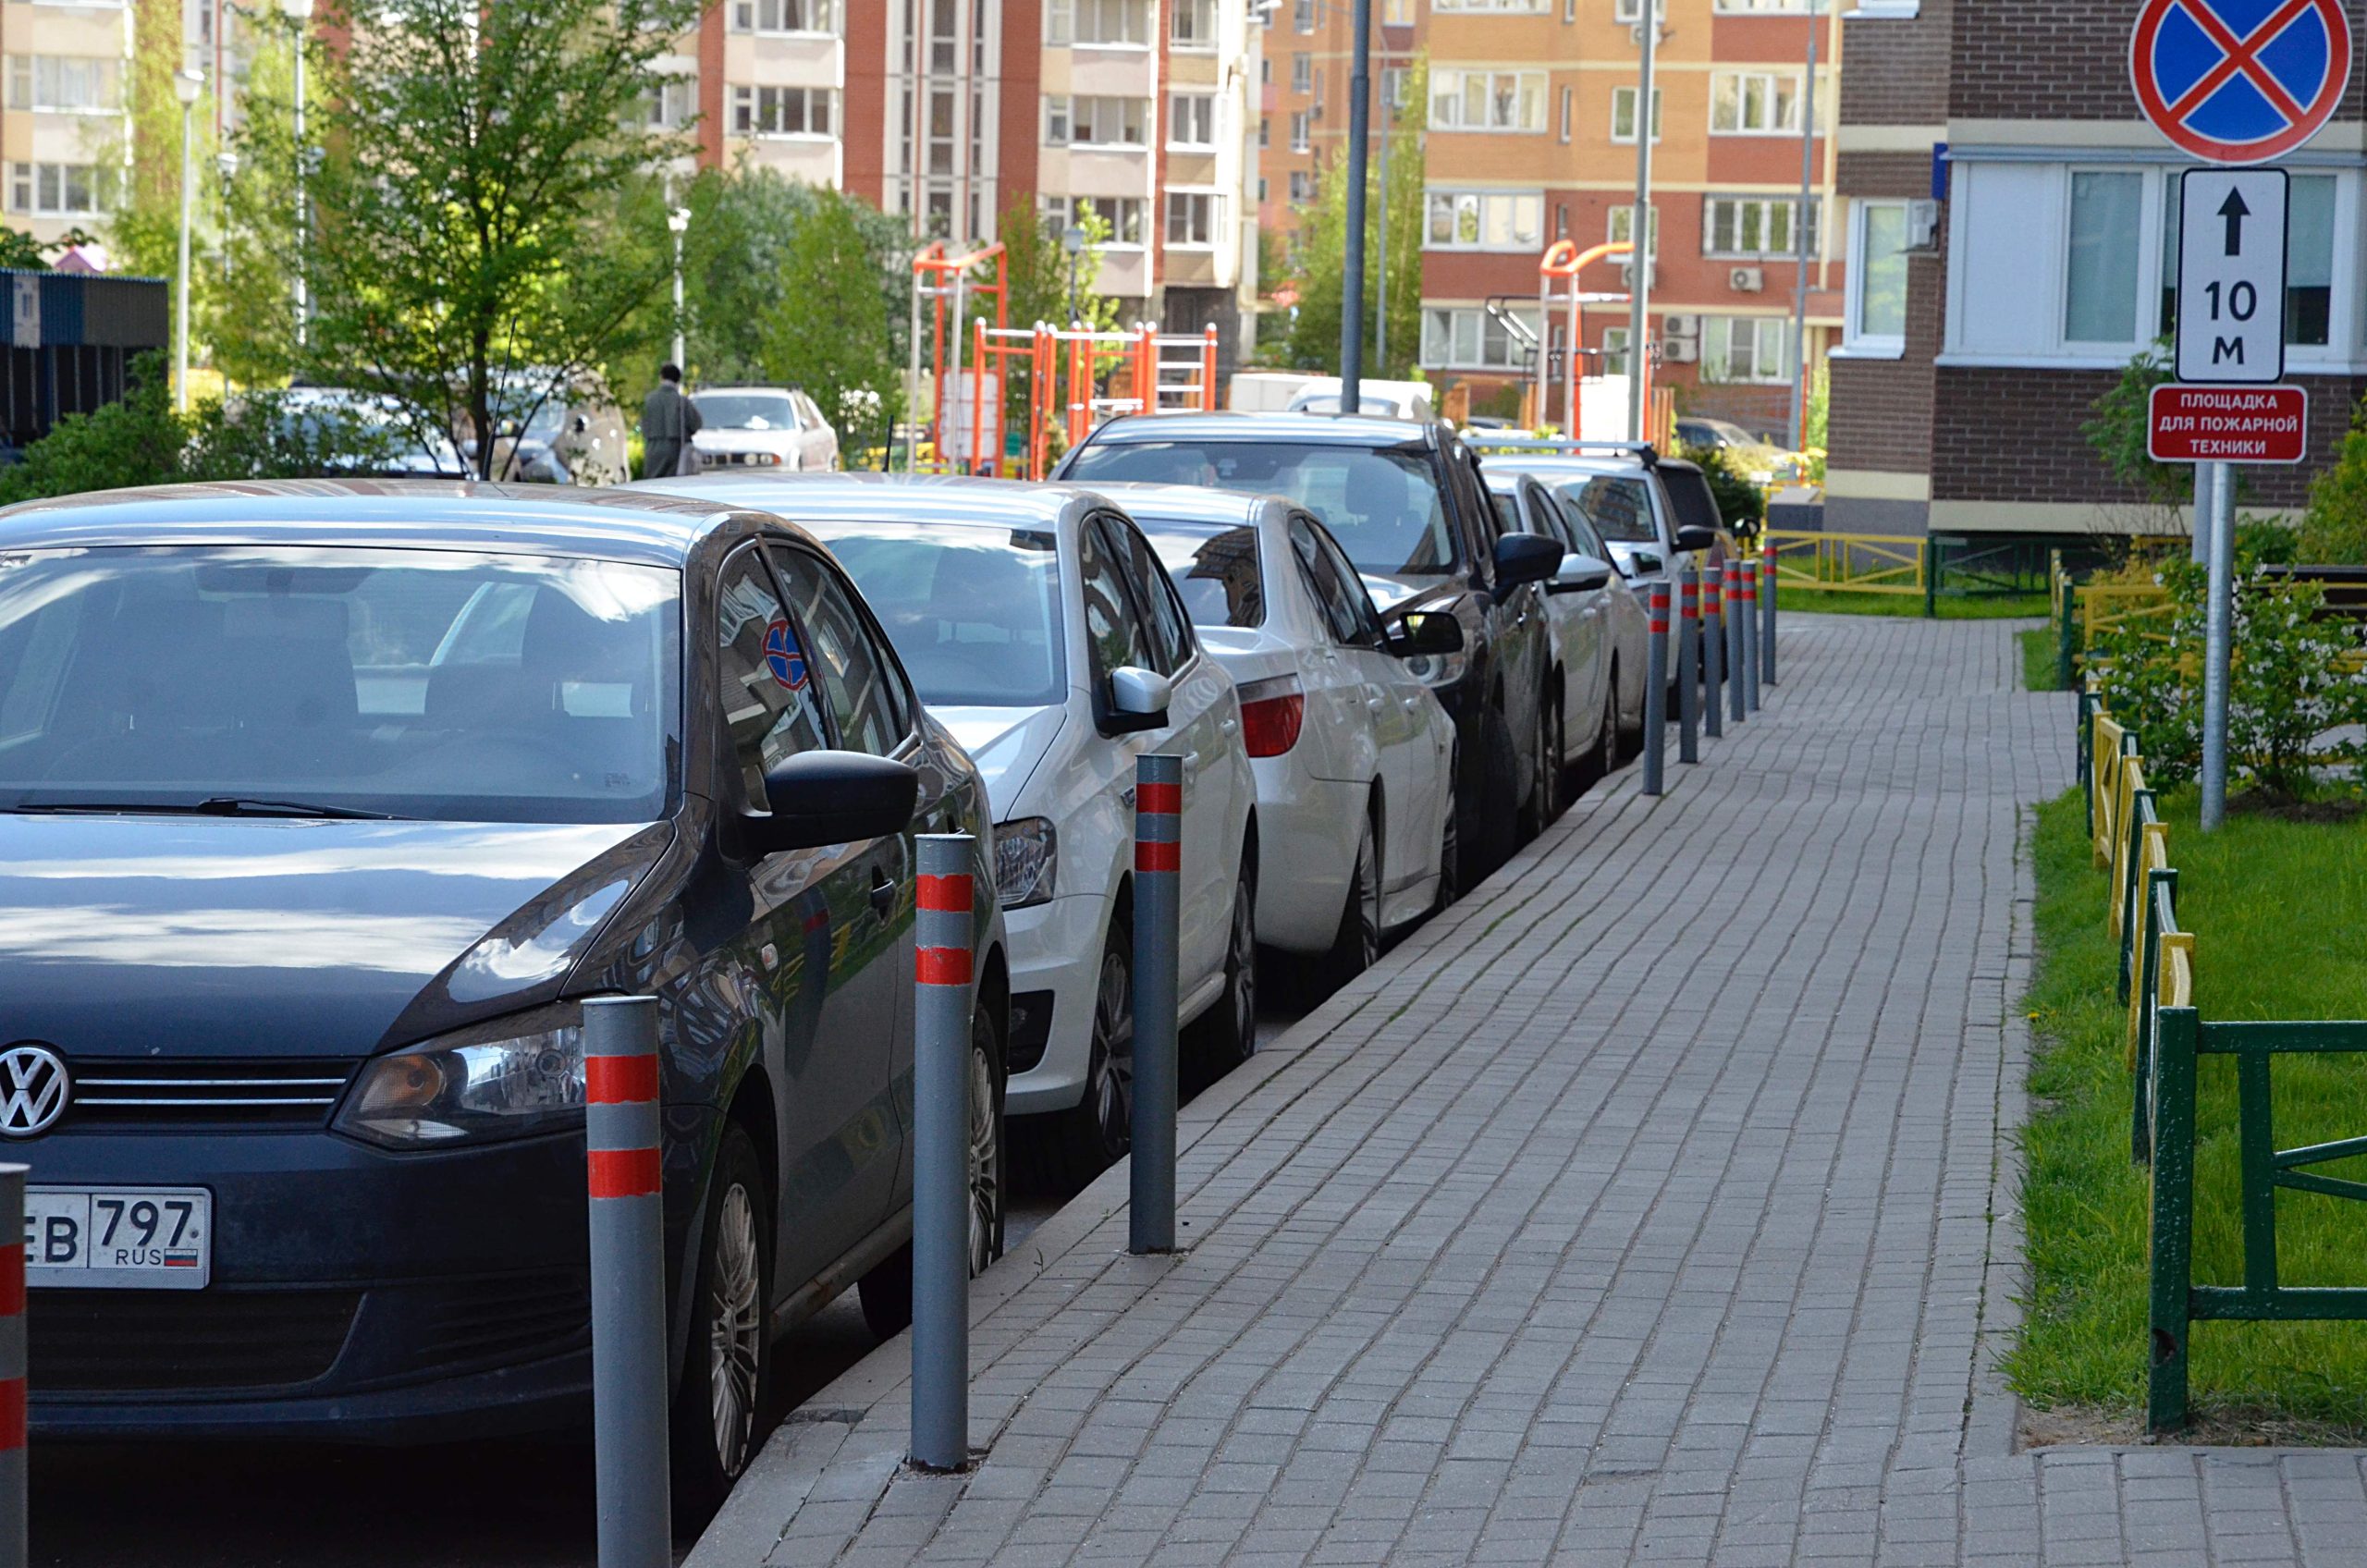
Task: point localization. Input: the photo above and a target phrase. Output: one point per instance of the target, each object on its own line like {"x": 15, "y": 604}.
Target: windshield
{"x": 746, "y": 411}
{"x": 1382, "y": 506}
{"x": 1214, "y": 568}
{"x": 1620, "y": 509}
{"x": 411, "y": 683}
{"x": 974, "y": 611}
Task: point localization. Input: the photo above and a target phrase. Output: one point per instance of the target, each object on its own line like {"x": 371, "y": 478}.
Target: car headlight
{"x": 1438, "y": 671}
{"x": 1026, "y": 851}
{"x": 506, "y": 1079}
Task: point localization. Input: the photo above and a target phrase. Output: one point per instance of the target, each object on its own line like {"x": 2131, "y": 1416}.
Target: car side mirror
{"x": 1581, "y": 573}
{"x": 1525, "y": 558}
{"x": 817, "y": 798}
{"x": 1695, "y": 538}
{"x": 1138, "y": 700}
{"x": 1426, "y": 635}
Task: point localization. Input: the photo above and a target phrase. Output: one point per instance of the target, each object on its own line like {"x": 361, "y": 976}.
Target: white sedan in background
{"x": 778, "y": 428}
{"x": 1354, "y": 757}
{"x": 1039, "y": 629}
{"x": 1601, "y": 633}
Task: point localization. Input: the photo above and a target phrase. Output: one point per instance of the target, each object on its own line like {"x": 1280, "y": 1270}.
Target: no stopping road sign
{"x": 2239, "y": 81}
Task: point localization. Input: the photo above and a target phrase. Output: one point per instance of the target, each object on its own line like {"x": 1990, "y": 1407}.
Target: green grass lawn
{"x": 2279, "y": 909}
{"x": 2003, "y": 607}
{"x": 2041, "y": 648}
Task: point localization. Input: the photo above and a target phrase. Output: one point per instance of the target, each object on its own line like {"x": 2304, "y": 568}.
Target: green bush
{"x": 2333, "y": 529}
{"x": 1741, "y": 503}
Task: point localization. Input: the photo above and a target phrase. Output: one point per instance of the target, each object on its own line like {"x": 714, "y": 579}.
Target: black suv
{"x": 1405, "y": 499}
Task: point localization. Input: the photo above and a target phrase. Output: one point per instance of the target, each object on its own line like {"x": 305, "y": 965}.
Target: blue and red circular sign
{"x": 784, "y": 657}
{"x": 2239, "y": 81}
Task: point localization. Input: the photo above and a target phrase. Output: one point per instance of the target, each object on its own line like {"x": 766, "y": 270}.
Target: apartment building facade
{"x": 64, "y": 122}
{"x": 2009, "y": 215}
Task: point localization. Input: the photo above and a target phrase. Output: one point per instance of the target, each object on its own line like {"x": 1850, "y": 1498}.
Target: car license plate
{"x": 120, "y": 1238}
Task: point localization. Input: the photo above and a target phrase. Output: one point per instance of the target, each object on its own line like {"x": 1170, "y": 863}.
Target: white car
{"x": 763, "y": 427}
{"x": 1353, "y": 755}
{"x": 406, "y": 449}
{"x": 1041, "y": 630}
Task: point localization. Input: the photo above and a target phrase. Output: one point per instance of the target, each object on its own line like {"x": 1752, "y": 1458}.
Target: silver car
{"x": 776, "y": 429}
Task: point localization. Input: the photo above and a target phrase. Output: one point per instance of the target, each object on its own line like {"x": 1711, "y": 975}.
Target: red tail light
{"x": 1271, "y": 712}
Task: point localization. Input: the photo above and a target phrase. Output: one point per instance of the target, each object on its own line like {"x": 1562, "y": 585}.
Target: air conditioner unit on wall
{"x": 1746, "y": 280}
{"x": 1680, "y": 339}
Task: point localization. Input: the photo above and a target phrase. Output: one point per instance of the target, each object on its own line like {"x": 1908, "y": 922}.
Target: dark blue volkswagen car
{"x": 323, "y": 806}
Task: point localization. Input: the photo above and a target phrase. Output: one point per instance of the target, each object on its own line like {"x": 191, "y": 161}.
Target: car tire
{"x": 1226, "y": 1036}
{"x": 1096, "y": 1133}
{"x": 1552, "y": 740}
{"x": 1356, "y": 946}
{"x": 726, "y": 1371}
{"x": 1611, "y": 743}
{"x": 886, "y": 1292}
{"x": 1492, "y": 815}
{"x": 1449, "y": 859}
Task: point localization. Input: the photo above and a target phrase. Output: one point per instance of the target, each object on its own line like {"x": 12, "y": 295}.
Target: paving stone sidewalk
{"x": 1655, "y": 1204}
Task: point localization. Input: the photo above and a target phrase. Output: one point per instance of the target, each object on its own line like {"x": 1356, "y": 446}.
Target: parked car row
{"x": 324, "y": 806}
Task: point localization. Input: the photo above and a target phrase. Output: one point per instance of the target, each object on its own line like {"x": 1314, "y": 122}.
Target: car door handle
{"x": 1191, "y": 763}
{"x": 1230, "y": 726}
{"x": 883, "y": 894}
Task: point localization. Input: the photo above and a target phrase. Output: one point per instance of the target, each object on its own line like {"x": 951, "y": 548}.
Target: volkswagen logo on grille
{"x": 33, "y": 1090}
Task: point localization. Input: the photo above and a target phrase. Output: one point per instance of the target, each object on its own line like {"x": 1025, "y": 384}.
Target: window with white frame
{"x": 1096, "y": 122}
{"x": 1485, "y": 99}
{"x": 1302, "y": 134}
{"x": 1303, "y": 15}
{"x": 1522, "y": 7}
{"x": 1123, "y": 22}
{"x": 669, "y": 102}
{"x": 1622, "y": 229}
{"x": 1302, "y": 186}
{"x": 1194, "y": 217}
{"x": 1614, "y": 350}
{"x": 1629, "y": 10}
{"x": 1745, "y": 348}
{"x": 1622, "y": 114}
{"x": 1396, "y": 87}
{"x": 1770, "y": 7}
{"x": 1875, "y": 319}
{"x": 783, "y": 111}
{"x": 64, "y": 84}
{"x": 60, "y": 191}
{"x": 1569, "y": 112}
{"x": 1468, "y": 338}
{"x": 1302, "y": 72}
{"x": 1121, "y": 216}
{"x": 1192, "y": 24}
{"x": 785, "y": 16}
{"x": 1756, "y": 225}
{"x": 2313, "y": 203}
{"x": 1484, "y": 220}
{"x": 1397, "y": 13}
{"x": 1191, "y": 120}
{"x": 1755, "y": 102}
{"x": 2100, "y": 293}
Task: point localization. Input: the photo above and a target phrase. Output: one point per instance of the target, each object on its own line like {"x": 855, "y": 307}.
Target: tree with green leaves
{"x": 831, "y": 330}
{"x": 246, "y": 311}
{"x": 1320, "y": 266}
{"x": 466, "y": 258}
{"x": 21, "y": 252}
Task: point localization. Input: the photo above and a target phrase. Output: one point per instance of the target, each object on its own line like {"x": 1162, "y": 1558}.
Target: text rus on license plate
{"x": 120, "y": 1238}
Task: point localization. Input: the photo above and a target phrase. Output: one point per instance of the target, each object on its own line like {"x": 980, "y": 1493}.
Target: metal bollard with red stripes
{"x": 15, "y": 1514}
{"x": 1159, "y": 906}
{"x": 1766, "y": 612}
{"x": 1748, "y": 572}
{"x": 621, "y": 1124}
{"x": 1736, "y": 637}
{"x": 1689, "y": 667}
{"x": 1713, "y": 654}
{"x": 944, "y": 945}
{"x": 1656, "y": 692}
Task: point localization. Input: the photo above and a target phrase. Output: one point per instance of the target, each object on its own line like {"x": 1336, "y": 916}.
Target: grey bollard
{"x": 1713, "y": 655}
{"x": 1767, "y": 613}
{"x": 1159, "y": 907}
{"x": 1736, "y": 711}
{"x": 1656, "y": 694}
{"x": 15, "y": 1513}
{"x": 1689, "y": 668}
{"x": 943, "y": 960}
{"x": 621, "y": 1127}
{"x": 1747, "y": 573}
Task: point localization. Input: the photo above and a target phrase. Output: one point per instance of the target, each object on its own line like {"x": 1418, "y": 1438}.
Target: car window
{"x": 746, "y": 411}
{"x": 1689, "y": 496}
{"x": 1620, "y": 508}
{"x": 1170, "y": 632}
{"x": 973, "y": 612}
{"x": 859, "y": 684}
{"x": 1114, "y": 636}
{"x": 1583, "y": 538}
{"x": 1363, "y": 620}
{"x": 1215, "y": 570}
{"x": 770, "y": 709}
{"x": 1322, "y": 579}
{"x": 1507, "y": 509}
{"x": 1545, "y": 512}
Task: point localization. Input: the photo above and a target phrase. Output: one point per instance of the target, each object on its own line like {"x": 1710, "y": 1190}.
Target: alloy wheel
{"x": 1367, "y": 897}
{"x": 1241, "y": 965}
{"x": 1112, "y": 1065}
{"x": 986, "y": 1150}
{"x": 736, "y": 1329}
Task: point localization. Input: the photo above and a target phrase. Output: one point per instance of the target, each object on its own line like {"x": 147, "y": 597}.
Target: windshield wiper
{"x": 212, "y": 805}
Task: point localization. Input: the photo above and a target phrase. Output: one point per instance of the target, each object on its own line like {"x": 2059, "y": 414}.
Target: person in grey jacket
{"x": 669, "y": 420}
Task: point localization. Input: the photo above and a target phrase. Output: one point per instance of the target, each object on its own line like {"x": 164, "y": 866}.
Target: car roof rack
{"x": 1561, "y": 445}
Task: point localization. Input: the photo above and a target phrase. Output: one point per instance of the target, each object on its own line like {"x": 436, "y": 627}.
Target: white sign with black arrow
{"x": 2231, "y": 275}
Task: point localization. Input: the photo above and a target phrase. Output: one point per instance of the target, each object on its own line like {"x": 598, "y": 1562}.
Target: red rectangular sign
{"x": 2228, "y": 424}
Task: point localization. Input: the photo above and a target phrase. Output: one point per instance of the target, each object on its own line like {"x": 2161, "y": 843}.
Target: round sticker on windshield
{"x": 784, "y": 657}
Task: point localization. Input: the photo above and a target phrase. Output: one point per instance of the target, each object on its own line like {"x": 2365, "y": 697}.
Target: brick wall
{"x": 1880, "y": 414}
{"x": 1897, "y": 67}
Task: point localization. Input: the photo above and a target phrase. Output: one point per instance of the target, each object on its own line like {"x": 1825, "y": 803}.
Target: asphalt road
{"x": 468, "y": 1505}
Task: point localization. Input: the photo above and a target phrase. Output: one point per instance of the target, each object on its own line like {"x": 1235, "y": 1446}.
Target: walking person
{"x": 669, "y": 420}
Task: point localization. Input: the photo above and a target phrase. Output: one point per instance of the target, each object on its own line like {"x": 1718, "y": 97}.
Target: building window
{"x": 669, "y": 102}
{"x": 1735, "y": 349}
{"x": 1628, "y": 10}
{"x": 1569, "y": 112}
{"x": 1622, "y": 114}
{"x": 785, "y": 16}
{"x": 1396, "y": 87}
{"x": 1614, "y": 350}
{"x": 1483, "y": 220}
{"x": 1756, "y": 225}
{"x": 1191, "y": 120}
{"x": 1877, "y": 294}
{"x": 1303, "y": 15}
{"x": 1622, "y": 231}
{"x": 1397, "y": 13}
{"x": 1302, "y": 72}
{"x": 1467, "y": 337}
{"x": 64, "y": 84}
{"x": 1755, "y": 102}
{"x": 1192, "y": 24}
{"x": 1265, "y": 132}
{"x": 1774, "y": 7}
{"x": 1096, "y": 122}
{"x": 2099, "y": 301}
{"x": 1098, "y": 22}
{"x": 1523, "y": 7}
{"x": 1261, "y": 188}
{"x": 1476, "y": 100}
{"x": 1193, "y": 217}
{"x": 782, "y": 111}
{"x": 1302, "y": 186}
{"x": 59, "y": 190}
{"x": 1302, "y": 139}
{"x": 1121, "y": 215}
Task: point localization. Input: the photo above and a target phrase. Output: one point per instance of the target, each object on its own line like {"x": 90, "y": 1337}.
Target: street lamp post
{"x": 1073, "y": 241}
{"x": 300, "y": 15}
{"x": 186, "y": 85}
{"x": 678, "y": 223}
